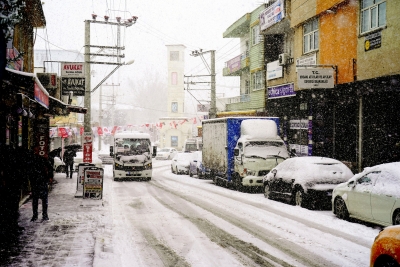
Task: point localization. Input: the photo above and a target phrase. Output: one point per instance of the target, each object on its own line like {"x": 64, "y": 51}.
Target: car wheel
{"x": 238, "y": 183}
{"x": 172, "y": 170}
{"x": 385, "y": 261}
{"x": 148, "y": 178}
{"x": 341, "y": 209}
{"x": 190, "y": 173}
{"x": 267, "y": 192}
{"x": 199, "y": 174}
{"x": 396, "y": 217}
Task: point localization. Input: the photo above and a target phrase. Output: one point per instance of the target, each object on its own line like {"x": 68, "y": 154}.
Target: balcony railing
{"x": 238, "y": 99}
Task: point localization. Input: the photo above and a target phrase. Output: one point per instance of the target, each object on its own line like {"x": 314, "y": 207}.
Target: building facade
{"x": 331, "y": 76}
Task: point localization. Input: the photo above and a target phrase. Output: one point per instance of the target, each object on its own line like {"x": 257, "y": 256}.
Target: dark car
{"x": 196, "y": 166}
{"x": 306, "y": 181}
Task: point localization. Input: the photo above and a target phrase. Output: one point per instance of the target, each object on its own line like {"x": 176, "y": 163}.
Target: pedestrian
{"x": 41, "y": 174}
{"x": 69, "y": 155}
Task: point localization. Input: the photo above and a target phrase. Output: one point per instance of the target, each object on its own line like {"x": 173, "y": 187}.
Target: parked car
{"x": 180, "y": 163}
{"x": 196, "y": 166}
{"x": 95, "y": 160}
{"x": 59, "y": 165}
{"x": 306, "y": 181}
{"x": 385, "y": 250}
{"x": 166, "y": 153}
{"x": 371, "y": 196}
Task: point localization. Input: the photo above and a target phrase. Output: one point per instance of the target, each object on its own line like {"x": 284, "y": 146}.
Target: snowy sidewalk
{"x": 69, "y": 238}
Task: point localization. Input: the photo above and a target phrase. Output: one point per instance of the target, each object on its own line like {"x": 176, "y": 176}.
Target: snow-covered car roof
{"x": 314, "y": 169}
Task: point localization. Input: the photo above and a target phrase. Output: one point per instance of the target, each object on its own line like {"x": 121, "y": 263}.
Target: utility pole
{"x": 129, "y": 22}
{"x": 87, "y": 101}
{"x": 213, "y": 109}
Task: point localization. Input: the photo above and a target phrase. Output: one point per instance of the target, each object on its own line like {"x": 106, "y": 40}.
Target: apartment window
{"x": 373, "y": 14}
{"x": 310, "y": 36}
{"x": 256, "y": 37}
{"x": 247, "y": 87}
{"x": 174, "y": 107}
{"x": 258, "y": 80}
{"x": 174, "y": 78}
{"x": 174, "y": 56}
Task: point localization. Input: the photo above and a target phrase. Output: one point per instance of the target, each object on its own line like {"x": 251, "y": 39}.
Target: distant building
{"x": 175, "y": 128}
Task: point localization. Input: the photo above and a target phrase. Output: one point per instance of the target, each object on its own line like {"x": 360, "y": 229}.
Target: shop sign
{"x": 87, "y": 152}
{"x": 315, "y": 78}
{"x": 272, "y": 14}
{"x": 40, "y": 96}
{"x": 372, "y": 41}
{"x": 284, "y": 90}
{"x": 310, "y": 60}
{"x": 203, "y": 107}
{"x": 274, "y": 70}
{"x": 234, "y": 64}
{"x": 73, "y": 69}
{"x": 298, "y": 124}
{"x": 74, "y": 85}
{"x": 93, "y": 183}
{"x": 42, "y": 140}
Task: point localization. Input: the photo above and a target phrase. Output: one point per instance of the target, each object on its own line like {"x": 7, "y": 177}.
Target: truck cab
{"x": 132, "y": 154}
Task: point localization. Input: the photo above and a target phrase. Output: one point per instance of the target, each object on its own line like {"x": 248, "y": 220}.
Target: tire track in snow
{"x": 224, "y": 239}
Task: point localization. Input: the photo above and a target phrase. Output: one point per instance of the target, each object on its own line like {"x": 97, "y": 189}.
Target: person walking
{"x": 68, "y": 157}
{"x": 41, "y": 174}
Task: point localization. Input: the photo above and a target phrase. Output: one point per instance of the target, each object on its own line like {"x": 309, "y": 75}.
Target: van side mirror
{"x": 236, "y": 152}
{"x": 111, "y": 151}
{"x": 154, "y": 151}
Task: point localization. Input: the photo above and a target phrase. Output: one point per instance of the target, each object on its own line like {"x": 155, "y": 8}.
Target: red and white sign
{"x": 73, "y": 69}
{"x": 87, "y": 152}
{"x": 87, "y": 137}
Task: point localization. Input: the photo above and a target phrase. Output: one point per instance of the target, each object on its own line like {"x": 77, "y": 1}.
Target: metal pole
{"x": 87, "y": 102}
{"x": 213, "y": 109}
{"x": 360, "y": 134}
{"x": 100, "y": 114}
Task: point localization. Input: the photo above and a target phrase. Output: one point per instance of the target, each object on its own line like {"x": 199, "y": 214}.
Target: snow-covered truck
{"x": 240, "y": 151}
{"x": 132, "y": 155}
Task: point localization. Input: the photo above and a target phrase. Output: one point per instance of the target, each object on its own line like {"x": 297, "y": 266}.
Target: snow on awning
{"x": 40, "y": 93}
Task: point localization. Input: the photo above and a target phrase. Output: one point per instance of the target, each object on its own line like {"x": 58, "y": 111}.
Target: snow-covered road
{"x": 175, "y": 220}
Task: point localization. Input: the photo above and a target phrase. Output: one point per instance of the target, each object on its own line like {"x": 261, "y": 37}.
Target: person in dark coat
{"x": 69, "y": 155}
{"x": 41, "y": 174}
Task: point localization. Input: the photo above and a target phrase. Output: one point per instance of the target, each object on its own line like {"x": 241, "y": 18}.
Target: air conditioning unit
{"x": 283, "y": 59}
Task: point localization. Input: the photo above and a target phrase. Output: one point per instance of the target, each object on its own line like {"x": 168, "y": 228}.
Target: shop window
{"x": 373, "y": 14}
{"x": 310, "y": 36}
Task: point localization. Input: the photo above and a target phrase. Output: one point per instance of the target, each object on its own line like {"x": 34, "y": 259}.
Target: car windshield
{"x": 258, "y": 149}
{"x": 132, "y": 146}
{"x": 165, "y": 150}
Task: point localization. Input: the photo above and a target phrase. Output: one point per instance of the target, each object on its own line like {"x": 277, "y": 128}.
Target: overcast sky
{"x": 195, "y": 24}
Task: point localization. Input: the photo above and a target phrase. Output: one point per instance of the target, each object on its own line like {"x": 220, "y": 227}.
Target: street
{"x": 175, "y": 220}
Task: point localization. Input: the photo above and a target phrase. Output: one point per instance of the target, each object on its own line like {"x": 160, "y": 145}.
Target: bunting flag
{"x": 81, "y": 131}
{"x": 114, "y": 130}
{"x": 194, "y": 120}
{"x": 147, "y": 125}
{"x": 106, "y": 131}
{"x": 182, "y": 122}
{"x": 99, "y": 131}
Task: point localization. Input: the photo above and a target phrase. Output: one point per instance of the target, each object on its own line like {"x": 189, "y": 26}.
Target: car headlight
{"x": 148, "y": 166}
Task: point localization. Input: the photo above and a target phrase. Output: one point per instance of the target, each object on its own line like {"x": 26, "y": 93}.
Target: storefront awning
{"x": 29, "y": 81}
{"x": 59, "y": 108}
